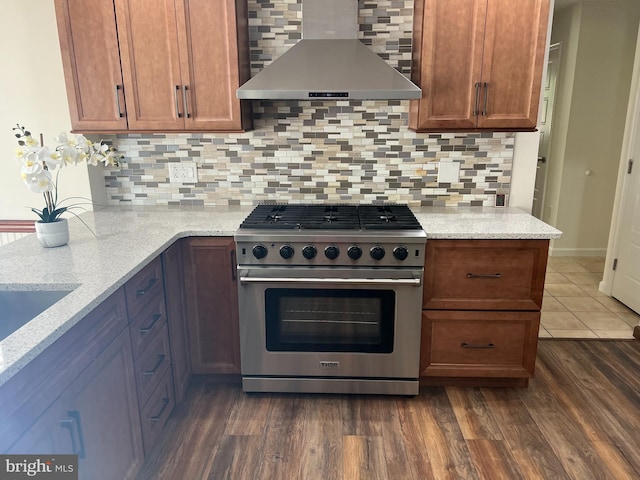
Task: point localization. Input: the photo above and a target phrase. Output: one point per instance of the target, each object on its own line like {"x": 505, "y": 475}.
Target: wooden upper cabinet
{"x": 479, "y": 64}
{"x": 91, "y": 62}
{"x": 175, "y": 64}
{"x": 148, "y": 37}
{"x": 210, "y": 53}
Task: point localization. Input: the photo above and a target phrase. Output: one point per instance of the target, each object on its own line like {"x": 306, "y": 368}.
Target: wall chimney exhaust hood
{"x": 329, "y": 62}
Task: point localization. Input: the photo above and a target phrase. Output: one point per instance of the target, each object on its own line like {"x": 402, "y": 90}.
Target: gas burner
{"x": 331, "y": 217}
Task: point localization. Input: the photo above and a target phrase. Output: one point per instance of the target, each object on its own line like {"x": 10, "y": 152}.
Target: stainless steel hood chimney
{"x": 329, "y": 62}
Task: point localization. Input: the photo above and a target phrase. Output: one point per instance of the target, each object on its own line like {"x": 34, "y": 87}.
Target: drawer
{"x": 147, "y": 324}
{"x": 152, "y": 364}
{"x": 143, "y": 287}
{"x": 485, "y": 274}
{"x": 156, "y": 412}
{"x": 479, "y": 344}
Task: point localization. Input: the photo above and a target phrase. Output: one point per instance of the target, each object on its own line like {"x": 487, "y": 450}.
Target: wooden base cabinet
{"x": 479, "y": 64}
{"x": 479, "y": 344}
{"x": 102, "y": 415}
{"x": 212, "y": 304}
{"x": 91, "y": 405}
{"x": 481, "y": 310}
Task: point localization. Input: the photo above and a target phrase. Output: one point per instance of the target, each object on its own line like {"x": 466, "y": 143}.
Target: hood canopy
{"x": 329, "y": 62}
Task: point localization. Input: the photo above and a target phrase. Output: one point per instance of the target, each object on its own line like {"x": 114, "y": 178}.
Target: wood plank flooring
{"x": 579, "y": 419}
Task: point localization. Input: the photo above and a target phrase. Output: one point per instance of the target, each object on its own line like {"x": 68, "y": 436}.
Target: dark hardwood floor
{"x": 579, "y": 419}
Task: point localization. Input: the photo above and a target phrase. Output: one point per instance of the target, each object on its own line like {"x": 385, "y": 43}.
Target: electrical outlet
{"x": 501, "y": 199}
{"x": 183, "y": 172}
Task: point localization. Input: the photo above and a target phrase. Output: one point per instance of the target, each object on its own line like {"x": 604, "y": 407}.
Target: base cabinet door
{"x": 102, "y": 408}
{"x": 52, "y": 433}
{"x": 212, "y": 304}
{"x": 173, "y": 272}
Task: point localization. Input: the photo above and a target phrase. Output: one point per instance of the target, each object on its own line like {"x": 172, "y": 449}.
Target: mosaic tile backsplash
{"x": 315, "y": 151}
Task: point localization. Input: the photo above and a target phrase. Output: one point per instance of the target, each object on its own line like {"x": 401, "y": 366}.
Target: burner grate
{"x": 332, "y": 217}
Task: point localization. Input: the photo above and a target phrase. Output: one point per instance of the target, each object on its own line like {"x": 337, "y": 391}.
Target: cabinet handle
{"x": 157, "y": 365}
{"x": 484, "y": 275}
{"x": 233, "y": 264}
{"x": 472, "y": 345}
{"x": 475, "y": 105}
{"x": 486, "y": 96}
{"x": 156, "y": 317}
{"x": 143, "y": 291}
{"x": 165, "y": 403}
{"x": 118, "y": 88}
{"x": 78, "y": 447}
{"x": 186, "y": 103}
{"x": 175, "y": 96}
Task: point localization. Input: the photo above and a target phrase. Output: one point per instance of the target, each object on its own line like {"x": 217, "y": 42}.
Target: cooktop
{"x": 331, "y": 217}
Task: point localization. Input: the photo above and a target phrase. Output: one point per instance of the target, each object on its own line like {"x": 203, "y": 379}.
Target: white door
{"x": 626, "y": 281}
{"x": 544, "y": 126}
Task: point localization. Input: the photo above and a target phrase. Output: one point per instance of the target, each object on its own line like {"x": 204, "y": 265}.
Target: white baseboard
{"x": 577, "y": 252}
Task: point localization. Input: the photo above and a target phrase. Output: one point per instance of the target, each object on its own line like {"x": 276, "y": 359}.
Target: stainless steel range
{"x": 330, "y": 298}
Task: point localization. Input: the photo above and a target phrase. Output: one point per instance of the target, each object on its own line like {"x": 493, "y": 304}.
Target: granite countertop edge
{"x": 128, "y": 238}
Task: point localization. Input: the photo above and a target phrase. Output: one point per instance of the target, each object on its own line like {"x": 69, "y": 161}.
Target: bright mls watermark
{"x": 49, "y": 467}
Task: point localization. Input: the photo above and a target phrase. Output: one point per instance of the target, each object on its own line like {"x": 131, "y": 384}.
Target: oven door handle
{"x": 416, "y": 282}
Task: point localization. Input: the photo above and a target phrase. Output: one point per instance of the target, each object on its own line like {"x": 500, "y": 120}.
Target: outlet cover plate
{"x": 183, "y": 172}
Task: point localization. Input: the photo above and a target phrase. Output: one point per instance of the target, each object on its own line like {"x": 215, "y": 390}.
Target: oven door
{"x": 330, "y": 322}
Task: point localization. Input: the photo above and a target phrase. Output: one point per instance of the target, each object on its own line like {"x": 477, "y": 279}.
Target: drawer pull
{"x": 165, "y": 403}
{"x": 143, "y": 291}
{"x": 475, "y": 345}
{"x": 484, "y": 275}
{"x": 156, "y": 317}
{"x": 157, "y": 365}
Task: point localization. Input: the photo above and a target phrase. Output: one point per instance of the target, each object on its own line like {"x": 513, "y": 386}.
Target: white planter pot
{"x": 53, "y": 234}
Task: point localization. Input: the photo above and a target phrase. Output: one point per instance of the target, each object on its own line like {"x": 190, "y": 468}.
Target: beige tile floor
{"x": 573, "y": 307}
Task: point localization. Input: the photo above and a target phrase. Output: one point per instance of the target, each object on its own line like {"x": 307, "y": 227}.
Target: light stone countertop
{"x": 129, "y": 238}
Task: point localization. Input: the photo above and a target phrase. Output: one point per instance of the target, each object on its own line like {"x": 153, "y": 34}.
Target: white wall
{"x": 32, "y": 92}
{"x": 598, "y": 46}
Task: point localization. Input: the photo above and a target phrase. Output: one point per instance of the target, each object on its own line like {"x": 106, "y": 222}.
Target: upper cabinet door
{"x": 91, "y": 61}
{"x": 148, "y": 38}
{"x": 514, "y": 47}
{"x": 210, "y": 63}
{"x": 479, "y": 64}
{"x": 449, "y": 62}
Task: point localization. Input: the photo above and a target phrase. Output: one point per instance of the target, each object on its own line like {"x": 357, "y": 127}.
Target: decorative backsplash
{"x": 312, "y": 151}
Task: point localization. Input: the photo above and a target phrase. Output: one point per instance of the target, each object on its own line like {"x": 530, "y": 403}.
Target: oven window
{"x": 325, "y": 320}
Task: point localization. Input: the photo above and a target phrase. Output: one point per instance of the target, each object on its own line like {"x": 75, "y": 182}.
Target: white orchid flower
{"x": 30, "y": 141}
{"x": 83, "y": 143}
{"x": 63, "y": 139}
{"x": 50, "y": 157}
{"x": 93, "y": 158}
{"x": 110, "y": 160}
{"x": 31, "y": 165}
{"x": 69, "y": 155}
{"x": 40, "y": 182}
{"x": 22, "y": 151}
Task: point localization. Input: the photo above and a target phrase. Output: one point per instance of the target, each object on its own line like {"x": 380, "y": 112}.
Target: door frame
{"x": 628, "y": 144}
{"x": 555, "y": 47}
